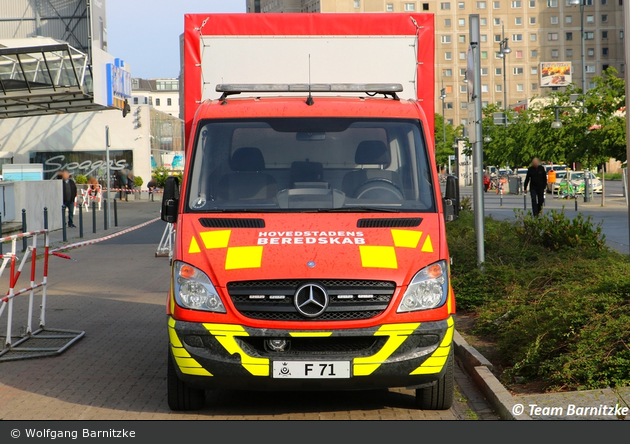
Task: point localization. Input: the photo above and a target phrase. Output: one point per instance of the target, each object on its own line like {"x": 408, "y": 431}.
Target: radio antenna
{"x": 309, "y": 100}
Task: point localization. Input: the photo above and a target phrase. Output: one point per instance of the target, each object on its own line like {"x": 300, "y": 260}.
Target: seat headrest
{"x": 247, "y": 159}
{"x": 302, "y": 171}
{"x": 372, "y": 152}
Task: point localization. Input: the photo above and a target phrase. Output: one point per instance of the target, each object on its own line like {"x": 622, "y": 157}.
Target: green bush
{"x": 553, "y": 230}
{"x": 160, "y": 174}
{"x": 466, "y": 203}
{"x": 557, "y": 304}
{"x": 137, "y": 181}
{"x": 80, "y": 179}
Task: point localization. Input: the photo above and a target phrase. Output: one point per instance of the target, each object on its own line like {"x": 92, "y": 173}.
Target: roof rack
{"x": 371, "y": 89}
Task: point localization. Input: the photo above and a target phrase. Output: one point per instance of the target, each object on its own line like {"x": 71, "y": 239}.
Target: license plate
{"x": 311, "y": 369}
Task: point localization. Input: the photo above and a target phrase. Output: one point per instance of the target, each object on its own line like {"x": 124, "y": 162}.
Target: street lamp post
{"x": 504, "y": 50}
{"x": 456, "y": 149}
{"x": 581, "y": 4}
{"x": 442, "y": 97}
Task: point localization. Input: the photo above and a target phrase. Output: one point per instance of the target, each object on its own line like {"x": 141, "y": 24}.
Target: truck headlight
{"x": 194, "y": 290}
{"x": 428, "y": 289}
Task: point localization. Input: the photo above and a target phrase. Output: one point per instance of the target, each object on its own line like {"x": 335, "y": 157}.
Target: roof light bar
{"x": 388, "y": 89}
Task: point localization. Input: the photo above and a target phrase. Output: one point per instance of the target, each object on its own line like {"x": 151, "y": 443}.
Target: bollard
{"x": 23, "y": 229}
{"x": 63, "y": 223}
{"x": 45, "y": 218}
{"x": 576, "y": 208}
{"x": 81, "y": 221}
{"x": 105, "y": 214}
{"x": 93, "y": 217}
{"x": 524, "y": 202}
{"x": 501, "y": 199}
{"x": 115, "y": 214}
{"x": 1, "y": 234}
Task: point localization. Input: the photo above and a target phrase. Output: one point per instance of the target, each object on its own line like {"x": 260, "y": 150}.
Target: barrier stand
{"x": 165, "y": 248}
{"x": 43, "y": 341}
{"x": 88, "y": 197}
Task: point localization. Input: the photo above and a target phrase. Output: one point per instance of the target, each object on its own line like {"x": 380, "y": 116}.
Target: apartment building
{"x": 162, "y": 94}
{"x": 537, "y": 31}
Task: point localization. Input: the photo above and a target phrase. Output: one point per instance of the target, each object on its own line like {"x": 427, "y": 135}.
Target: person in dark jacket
{"x": 152, "y": 186}
{"x": 537, "y": 176}
{"x": 69, "y": 194}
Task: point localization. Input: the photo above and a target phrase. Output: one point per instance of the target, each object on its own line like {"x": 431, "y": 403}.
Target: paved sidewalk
{"x": 130, "y": 214}
{"x": 116, "y": 292}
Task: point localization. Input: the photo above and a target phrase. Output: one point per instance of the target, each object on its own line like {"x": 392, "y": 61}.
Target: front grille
{"x": 222, "y": 222}
{"x": 347, "y": 345}
{"x": 390, "y": 222}
{"x": 348, "y": 299}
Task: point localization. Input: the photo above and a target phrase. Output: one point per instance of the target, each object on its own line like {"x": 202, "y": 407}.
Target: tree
{"x": 592, "y": 131}
{"x": 444, "y": 149}
{"x": 605, "y": 103}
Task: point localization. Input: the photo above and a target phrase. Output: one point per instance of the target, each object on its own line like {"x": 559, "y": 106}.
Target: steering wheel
{"x": 377, "y": 187}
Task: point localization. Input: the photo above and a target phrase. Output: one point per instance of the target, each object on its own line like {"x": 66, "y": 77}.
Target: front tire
{"x": 180, "y": 396}
{"x": 440, "y": 395}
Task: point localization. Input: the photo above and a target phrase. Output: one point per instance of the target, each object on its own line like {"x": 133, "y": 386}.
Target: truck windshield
{"x": 310, "y": 164}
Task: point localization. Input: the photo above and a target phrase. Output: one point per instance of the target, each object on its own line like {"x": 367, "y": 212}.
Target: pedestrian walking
{"x": 131, "y": 182}
{"x": 152, "y": 186}
{"x": 92, "y": 186}
{"x": 122, "y": 183}
{"x": 537, "y": 175}
{"x": 69, "y": 194}
{"x": 486, "y": 182}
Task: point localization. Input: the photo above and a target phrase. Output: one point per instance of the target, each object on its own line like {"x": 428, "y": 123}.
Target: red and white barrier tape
{"x": 101, "y": 239}
{"x": 21, "y": 235}
{"x": 22, "y": 291}
{"x": 134, "y": 191}
{"x": 61, "y": 255}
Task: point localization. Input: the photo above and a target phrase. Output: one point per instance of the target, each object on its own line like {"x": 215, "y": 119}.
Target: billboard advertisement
{"x": 554, "y": 74}
{"x": 112, "y": 79}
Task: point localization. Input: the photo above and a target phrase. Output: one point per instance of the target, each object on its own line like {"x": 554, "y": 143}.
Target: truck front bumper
{"x": 234, "y": 356}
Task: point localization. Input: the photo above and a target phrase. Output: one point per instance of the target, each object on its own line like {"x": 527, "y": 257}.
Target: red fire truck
{"x": 310, "y": 249}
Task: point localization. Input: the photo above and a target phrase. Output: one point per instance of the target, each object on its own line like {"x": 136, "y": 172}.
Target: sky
{"x": 145, "y": 33}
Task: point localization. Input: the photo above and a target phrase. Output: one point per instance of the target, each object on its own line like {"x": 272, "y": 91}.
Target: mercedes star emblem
{"x": 311, "y": 300}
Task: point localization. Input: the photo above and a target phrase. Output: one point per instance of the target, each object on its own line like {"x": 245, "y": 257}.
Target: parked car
{"x": 577, "y": 179}
{"x": 561, "y": 176}
{"x": 555, "y": 167}
{"x": 521, "y": 172}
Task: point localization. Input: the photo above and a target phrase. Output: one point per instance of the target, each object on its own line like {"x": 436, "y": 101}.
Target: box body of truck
{"x": 310, "y": 248}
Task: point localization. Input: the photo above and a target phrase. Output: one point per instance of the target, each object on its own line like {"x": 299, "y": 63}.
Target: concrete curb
{"x": 480, "y": 369}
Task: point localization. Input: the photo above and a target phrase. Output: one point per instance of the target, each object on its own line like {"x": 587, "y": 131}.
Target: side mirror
{"x": 170, "y": 200}
{"x": 451, "y": 199}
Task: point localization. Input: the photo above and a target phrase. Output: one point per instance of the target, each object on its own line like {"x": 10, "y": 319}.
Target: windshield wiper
{"x": 361, "y": 209}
